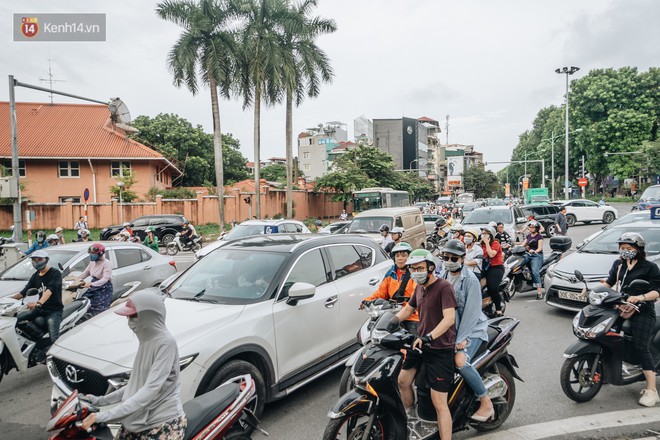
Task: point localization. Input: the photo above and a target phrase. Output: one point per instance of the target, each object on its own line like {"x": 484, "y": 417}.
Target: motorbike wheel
{"x": 172, "y": 249}
{"x": 353, "y": 426}
{"x": 195, "y": 247}
{"x": 510, "y": 398}
{"x": 347, "y": 381}
{"x": 575, "y": 381}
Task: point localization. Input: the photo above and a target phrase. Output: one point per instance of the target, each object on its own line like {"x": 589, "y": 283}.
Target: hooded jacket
{"x": 390, "y": 285}
{"x": 151, "y": 396}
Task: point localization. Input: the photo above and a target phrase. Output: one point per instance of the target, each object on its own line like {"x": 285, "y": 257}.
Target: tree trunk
{"x": 257, "y": 151}
{"x": 289, "y": 154}
{"x": 217, "y": 150}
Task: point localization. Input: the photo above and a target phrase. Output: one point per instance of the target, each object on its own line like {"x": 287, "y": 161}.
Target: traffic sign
{"x": 582, "y": 182}
{"x": 86, "y": 195}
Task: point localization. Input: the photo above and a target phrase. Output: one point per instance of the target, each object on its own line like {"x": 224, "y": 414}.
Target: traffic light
{"x": 248, "y": 200}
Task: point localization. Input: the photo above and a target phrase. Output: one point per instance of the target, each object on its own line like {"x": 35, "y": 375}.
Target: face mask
{"x": 94, "y": 257}
{"x": 38, "y": 265}
{"x": 133, "y": 323}
{"x": 453, "y": 267}
{"x": 40, "y": 239}
{"x": 628, "y": 254}
{"x": 467, "y": 240}
{"x": 419, "y": 277}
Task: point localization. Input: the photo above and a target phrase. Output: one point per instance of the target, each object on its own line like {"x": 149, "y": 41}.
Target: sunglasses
{"x": 453, "y": 258}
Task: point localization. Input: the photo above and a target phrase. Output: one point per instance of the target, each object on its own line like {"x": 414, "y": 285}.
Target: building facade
{"x": 315, "y": 147}
{"x": 407, "y": 140}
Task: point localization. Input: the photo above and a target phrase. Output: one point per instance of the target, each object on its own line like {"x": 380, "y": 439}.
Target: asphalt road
{"x": 538, "y": 345}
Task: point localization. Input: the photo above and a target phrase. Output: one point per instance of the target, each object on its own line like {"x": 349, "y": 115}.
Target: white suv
{"x": 281, "y": 307}
{"x": 586, "y": 211}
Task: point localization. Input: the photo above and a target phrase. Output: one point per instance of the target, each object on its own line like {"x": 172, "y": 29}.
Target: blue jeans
{"x": 535, "y": 262}
{"x": 469, "y": 373}
{"x": 49, "y": 319}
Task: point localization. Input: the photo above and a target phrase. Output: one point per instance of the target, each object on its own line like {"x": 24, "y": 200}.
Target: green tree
{"x": 483, "y": 183}
{"x": 276, "y": 172}
{"x": 206, "y": 48}
{"x": 305, "y": 66}
{"x": 126, "y": 193}
{"x": 419, "y": 188}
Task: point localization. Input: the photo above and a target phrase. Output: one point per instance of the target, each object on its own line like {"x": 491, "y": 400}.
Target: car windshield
{"x": 605, "y": 243}
{"x": 481, "y": 216}
{"x": 365, "y": 225}
{"x": 23, "y": 270}
{"x": 651, "y": 193}
{"x": 241, "y": 231}
{"x": 228, "y": 277}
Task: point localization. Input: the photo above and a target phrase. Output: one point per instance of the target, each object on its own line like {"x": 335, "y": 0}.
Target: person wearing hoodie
{"x": 149, "y": 406}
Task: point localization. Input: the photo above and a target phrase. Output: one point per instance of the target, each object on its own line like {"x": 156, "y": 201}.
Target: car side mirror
{"x": 521, "y": 220}
{"x": 579, "y": 276}
{"x": 299, "y": 291}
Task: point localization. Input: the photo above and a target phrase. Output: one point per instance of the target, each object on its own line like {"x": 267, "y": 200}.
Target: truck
{"x": 536, "y": 195}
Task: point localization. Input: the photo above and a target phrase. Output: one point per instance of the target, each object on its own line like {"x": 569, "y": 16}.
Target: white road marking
{"x": 614, "y": 419}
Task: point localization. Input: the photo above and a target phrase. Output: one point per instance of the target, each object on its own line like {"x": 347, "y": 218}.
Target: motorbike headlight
{"x": 596, "y": 298}
{"x": 598, "y": 328}
{"x": 576, "y": 321}
{"x": 378, "y": 335}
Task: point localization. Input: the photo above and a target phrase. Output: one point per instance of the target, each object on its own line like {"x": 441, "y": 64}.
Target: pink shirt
{"x": 101, "y": 269}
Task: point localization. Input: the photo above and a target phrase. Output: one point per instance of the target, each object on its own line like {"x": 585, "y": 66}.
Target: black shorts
{"x": 439, "y": 366}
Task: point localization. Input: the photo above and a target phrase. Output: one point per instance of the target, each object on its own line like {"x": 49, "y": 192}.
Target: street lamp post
{"x": 121, "y": 184}
{"x": 568, "y": 71}
{"x": 552, "y": 155}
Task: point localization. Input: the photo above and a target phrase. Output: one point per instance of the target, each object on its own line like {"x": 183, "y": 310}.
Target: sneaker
{"x": 649, "y": 398}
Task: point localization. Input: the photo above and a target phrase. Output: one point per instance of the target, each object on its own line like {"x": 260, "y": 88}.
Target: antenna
{"x": 50, "y": 79}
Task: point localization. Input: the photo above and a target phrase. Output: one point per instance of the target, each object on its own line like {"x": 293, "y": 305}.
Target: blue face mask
{"x": 94, "y": 257}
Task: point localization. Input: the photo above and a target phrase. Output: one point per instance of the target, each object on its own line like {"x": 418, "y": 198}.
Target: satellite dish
{"x": 119, "y": 113}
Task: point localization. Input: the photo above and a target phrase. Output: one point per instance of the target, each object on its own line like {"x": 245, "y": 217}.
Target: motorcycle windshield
{"x": 388, "y": 322}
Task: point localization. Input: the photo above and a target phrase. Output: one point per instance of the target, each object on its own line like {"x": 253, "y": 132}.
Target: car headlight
{"x": 185, "y": 361}
{"x": 120, "y": 381}
{"x": 551, "y": 270}
{"x": 596, "y": 298}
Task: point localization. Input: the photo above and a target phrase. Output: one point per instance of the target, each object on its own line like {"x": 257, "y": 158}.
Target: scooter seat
{"x": 71, "y": 308}
{"x": 493, "y": 333}
{"x": 201, "y": 411}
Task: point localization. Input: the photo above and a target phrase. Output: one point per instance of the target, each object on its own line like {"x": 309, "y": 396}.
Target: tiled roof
{"x": 303, "y": 134}
{"x": 426, "y": 119}
{"x": 68, "y": 130}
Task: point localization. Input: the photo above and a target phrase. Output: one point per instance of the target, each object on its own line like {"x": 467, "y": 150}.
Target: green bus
{"x": 373, "y": 198}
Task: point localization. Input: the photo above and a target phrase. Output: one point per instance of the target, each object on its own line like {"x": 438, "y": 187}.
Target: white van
{"x": 409, "y": 218}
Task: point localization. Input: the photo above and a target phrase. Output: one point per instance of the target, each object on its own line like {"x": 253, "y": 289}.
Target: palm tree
{"x": 261, "y": 57}
{"x": 206, "y": 48}
{"x": 305, "y": 66}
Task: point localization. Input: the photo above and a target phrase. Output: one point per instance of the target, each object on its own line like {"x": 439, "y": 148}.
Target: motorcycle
{"x": 175, "y": 246}
{"x": 74, "y": 287}
{"x": 518, "y": 275}
{"x": 219, "y": 414}
{"x": 604, "y": 352}
{"x": 18, "y": 339}
{"x": 374, "y": 410}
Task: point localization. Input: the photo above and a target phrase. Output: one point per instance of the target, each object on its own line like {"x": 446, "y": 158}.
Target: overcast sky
{"x": 488, "y": 64}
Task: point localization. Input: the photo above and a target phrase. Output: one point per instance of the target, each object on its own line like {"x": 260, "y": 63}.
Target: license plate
{"x": 575, "y": 296}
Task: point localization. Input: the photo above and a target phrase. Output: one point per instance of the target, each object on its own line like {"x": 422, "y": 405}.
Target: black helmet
{"x": 319, "y": 223}
{"x": 534, "y": 224}
{"x": 455, "y": 247}
{"x": 440, "y": 222}
{"x": 384, "y": 228}
{"x": 632, "y": 238}
{"x": 41, "y": 236}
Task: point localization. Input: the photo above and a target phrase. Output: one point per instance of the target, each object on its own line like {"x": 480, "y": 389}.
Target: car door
{"x": 308, "y": 330}
{"x": 593, "y": 210}
{"x": 128, "y": 266}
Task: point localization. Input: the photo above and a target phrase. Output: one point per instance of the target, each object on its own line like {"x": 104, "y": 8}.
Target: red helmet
{"x": 96, "y": 248}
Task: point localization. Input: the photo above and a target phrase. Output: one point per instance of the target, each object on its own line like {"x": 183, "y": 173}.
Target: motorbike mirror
{"x": 579, "y": 275}
{"x": 31, "y": 292}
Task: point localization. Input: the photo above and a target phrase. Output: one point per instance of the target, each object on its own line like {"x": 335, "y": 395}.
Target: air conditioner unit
{"x": 8, "y": 188}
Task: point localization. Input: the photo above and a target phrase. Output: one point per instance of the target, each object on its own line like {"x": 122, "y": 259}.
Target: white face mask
{"x": 133, "y": 323}
{"x": 419, "y": 277}
{"x": 467, "y": 240}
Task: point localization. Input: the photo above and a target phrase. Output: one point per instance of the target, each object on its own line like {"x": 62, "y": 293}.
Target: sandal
{"x": 539, "y": 296}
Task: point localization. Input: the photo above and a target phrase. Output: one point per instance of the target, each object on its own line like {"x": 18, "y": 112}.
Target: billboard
{"x": 454, "y": 170}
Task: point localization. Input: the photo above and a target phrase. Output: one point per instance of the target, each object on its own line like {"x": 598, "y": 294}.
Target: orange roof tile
{"x": 68, "y": 130}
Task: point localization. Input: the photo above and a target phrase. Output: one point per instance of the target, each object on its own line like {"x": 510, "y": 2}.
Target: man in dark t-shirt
{"x": 435, "y": 301}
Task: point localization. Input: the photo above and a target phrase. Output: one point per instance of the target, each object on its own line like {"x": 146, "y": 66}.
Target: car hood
{"x": 589, "y": 264}
{"x": 9, "y": 287}
{"x": 106, "y": 337}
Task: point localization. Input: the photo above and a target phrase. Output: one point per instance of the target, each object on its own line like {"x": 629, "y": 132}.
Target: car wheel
{"x": 551, "y": 231}
{"x": 167, "y": 239}
{"x": 571, "y": 220}
{"x": 608, "y": 217}
{"x": 237, "y": 368}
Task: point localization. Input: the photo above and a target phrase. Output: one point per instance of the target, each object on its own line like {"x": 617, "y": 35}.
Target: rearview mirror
{"x": 300, "y": 291}
{"x": 579, "y": 276}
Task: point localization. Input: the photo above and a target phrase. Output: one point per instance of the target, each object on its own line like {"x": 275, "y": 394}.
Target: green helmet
{"x": 402, "y": 247}
{"x": 419, "y": 255}
{"x": 149, "y": 229}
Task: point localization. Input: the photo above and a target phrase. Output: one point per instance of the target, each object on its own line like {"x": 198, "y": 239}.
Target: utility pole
{"x": 447, "y": 130}
{"x": 584, "y": 189}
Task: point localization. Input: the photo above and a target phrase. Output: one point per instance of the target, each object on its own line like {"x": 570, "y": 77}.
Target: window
{"x": 75, "y": 199}
{"x": 80, "y": 265}
{"x": 306, "y": 155}
{"x": 288, "y": 227}
{"x": 119, "y": 169}
{"x": 345, "y": 259}
{"x": 21, "y": 168}
{"x": 69, "y": 168}
{"x": 398, "y": 222}
{"x": 154, "y": 221}
{"x": 366, "y": 255}
{"x": 145, "y": 255}
{"x": 308, "y": 269}
{"x": 127, "y": 257}
{"x": 590, "y": 204}
{"x": 140, "y": 222}
{"x": 306, "y": 167}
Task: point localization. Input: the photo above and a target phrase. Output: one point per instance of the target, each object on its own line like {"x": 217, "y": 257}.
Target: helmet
{"x": 39, "y": 254}
{"x": 41, "y": 236}
{"x": 440, "y": 222}
{"x": 534, "y": 224}
{"x": 473, "y": 232}
{"x": 96, "y": 248}
{"x": 384, "y": 228}
{"x": 84, "y": 232}
{"x": 419, "y": 255}
{"x": 52, "y": 237}
{"x": 149, "y": 229}
{"x": 456, "y": 227}
{"x": 319, "y": 223}
{"x": 492, "y": 224}
{"x": 398, "y": 230}
{"x": 402, "y": 247}
{"x": 455, "y": 247}
{"x": 632, "y": 238}
{"x": 126, "y": 225}
{"x": 489, "y": 229}
{"x": 59, "y": 229}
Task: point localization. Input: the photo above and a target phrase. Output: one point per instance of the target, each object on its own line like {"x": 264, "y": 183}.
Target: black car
{"x": 165, "y": 227}
{"x": 544, "y": 214}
